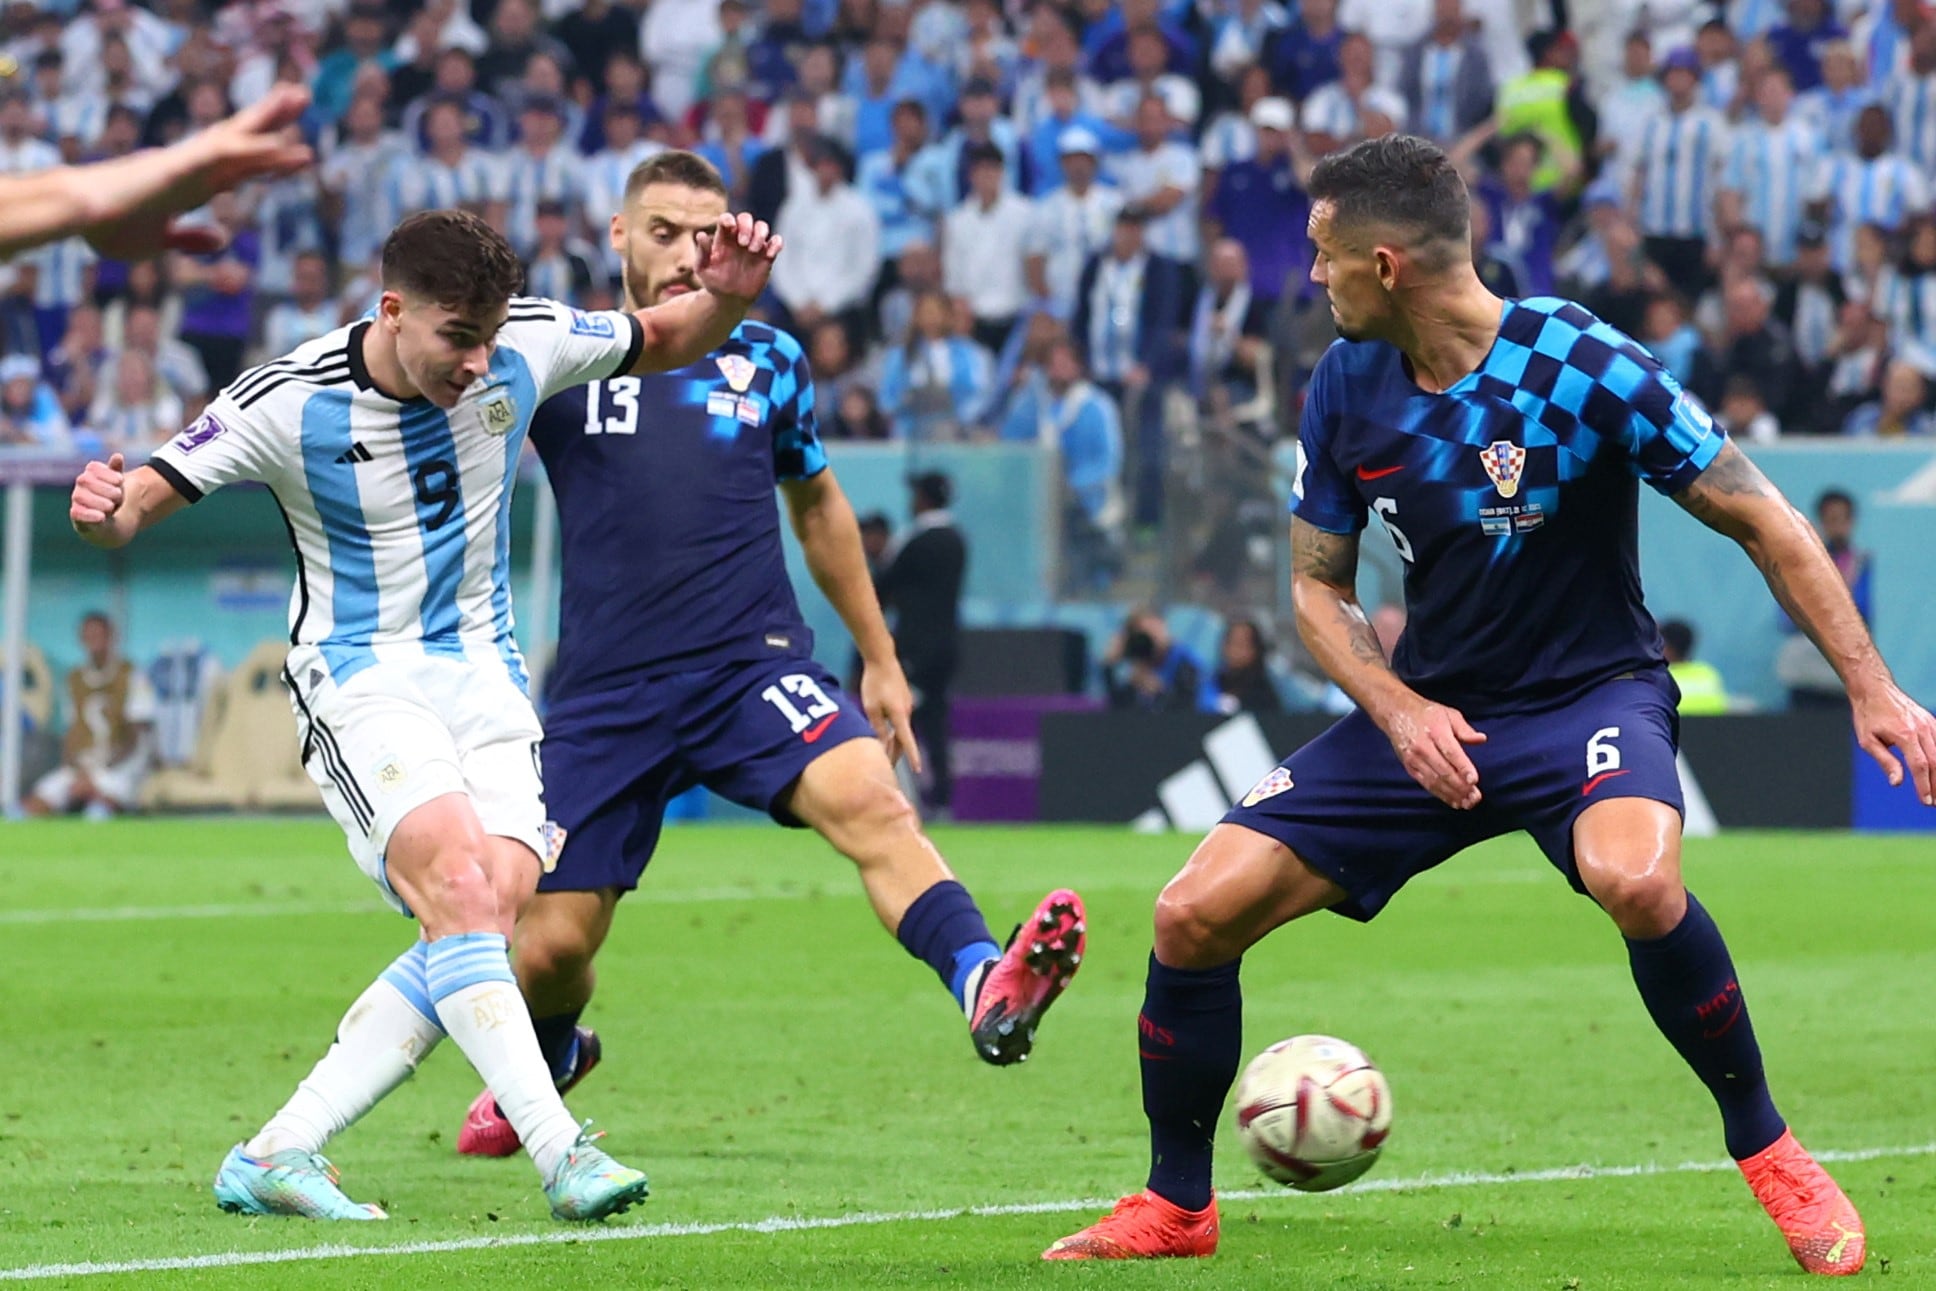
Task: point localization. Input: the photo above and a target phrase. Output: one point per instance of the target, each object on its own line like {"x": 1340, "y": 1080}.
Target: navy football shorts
{"x": 1346, "y": 806}
{"x": 613, "y": 759}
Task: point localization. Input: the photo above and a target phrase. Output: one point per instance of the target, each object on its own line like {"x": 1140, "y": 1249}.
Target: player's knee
{"x": 1642, "y": 900}
{"x": 1187, "y": 935}
{"x": 456, "y": 888}
{"x": 553, "y": 950}
{"x": 866, "y": 817}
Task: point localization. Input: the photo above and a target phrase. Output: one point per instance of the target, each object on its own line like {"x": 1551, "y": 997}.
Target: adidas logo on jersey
{"x": 357, "y": 453}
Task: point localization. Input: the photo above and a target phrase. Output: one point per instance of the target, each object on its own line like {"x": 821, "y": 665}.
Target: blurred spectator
{"x": 1835, "y": 520}
{"x": 836, "y": 111}
{"x": 1445, "y": 79}
{"x": 1243, "y": 682}
{"x": 910, "y": 183}
{"x": 1906, "y": 296}
{"x": 134, "y": 410}
{"x": 30, "y": 411}
{"x": 785, "y": 166}
{"x": 1672, "y": 189}
{"x": 218, "y": 292}
{"x": 1740, "y": 257}
{"x": 1625, "y": 108}
{"x": 727, "y": 64}
{"x": 1753, "y": 345}
{"x": 916, "y": 273}
{"x": 774, "y": 53}
{"x": 831, "y": 352}
{"x": 20, "y": 151}
{"x": 1831, "y": 108}
{"x": 1550, "y": 102}
{"x": 1056, "y": 63}
{"x": 833, "y": 239}
{"x": 306, "y": 315}
{"x": 110, "y": 720}
{"x": 1150, "y": 76}
{"x": 1525, "y": 224}
{"x": 1303, "y": 58}
{"x": 938, "y": 385}
{"x": 1770, "y": 168}
{"x": 1062, "y": 111}
{"x": 1870, "y": 186}
{"x": 1110, "y": 42}
{"x": 1714, "y": 46}
{"x": 1354, "y": 106}
{"x": 729, "y": 143}
{"x": 1858, "y": 358}
{"x": 365, "y": 32}
{"x": 674, "y": 41}
{"x": 1811, "y": 681}
{"x": 1674, "y": 341}
{"x": 1070, "y": 224}
{"x": 452, "y": 173}
{"x": 984, "y": 246}
{"x": 1500, "y": 275}
{"x": 62, "y": 272}
{"x": 1231, "y": 136}
{"x": 1241, "y": 34}
{"x": 1902, "y": 410}
{"x": 483, "y": 121}
{"x": 1228, "y": 329}
{"x": 70, "y": 367}
{"x": 1808, "y": 302}
{"x": 543, "y": 169}
{"x": 858, "y": 416}
{"x": 1059, "y": 408}
{"x": 355, "y": 176}
{"x": 1862, "y": 279}
{"x": 1744, "y": 411}
{"x": 875, "y": 84}
{"x": 1798, "y": 41}
{"x": 288, "y": 219}
{"x": 1159, "y": 179}
{"x": 173, "y": 359}
{"x": 1910, "y": 97}
{"x": 593, "y": 29}
{"x": 1702, "y": 690}
{"x": 1262, "y": 205}
{"x": 1586, "y": 265}
{"x": 561, "y": 266}
{"x": 982, "y": 127}
{"x": 1392, "y": 27}
{"x": 921, "y": 586}
{"x": 1144, "y": 668}
{"x": 1129, "y": 305}
{"x": 625, "y": 84}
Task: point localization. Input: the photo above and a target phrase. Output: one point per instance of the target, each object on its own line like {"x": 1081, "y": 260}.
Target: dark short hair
{"x": 452, "y": 259}
{"x": 685, "y": 169}
{"x": 983, "y": 154}
{"x": 1401, "y": 182}
{"x": 98, "y": 616}
{"x": 933, "y": 488}
{"x": 1679, "y": 637}
{"x": 1827, "y": 496}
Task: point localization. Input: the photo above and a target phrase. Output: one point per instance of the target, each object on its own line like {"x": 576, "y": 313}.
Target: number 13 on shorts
{"x": 819, "y": 707}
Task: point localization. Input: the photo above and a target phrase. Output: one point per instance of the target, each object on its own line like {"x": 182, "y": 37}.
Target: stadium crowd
{"x": 1078, "y": 225}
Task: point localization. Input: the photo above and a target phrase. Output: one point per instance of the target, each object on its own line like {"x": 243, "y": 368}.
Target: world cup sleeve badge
{"x": 1504, "y": 462}
{"x": 738, "y": 370}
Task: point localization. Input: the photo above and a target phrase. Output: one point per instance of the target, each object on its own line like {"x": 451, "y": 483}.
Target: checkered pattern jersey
{"x": 1512, "y": 499}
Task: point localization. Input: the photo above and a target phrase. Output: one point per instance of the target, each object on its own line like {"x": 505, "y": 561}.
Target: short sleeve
{"x": 225, "y": 445}
{"x": 1666, "y": 435}
{"x": 1322, "y": 495}
{"x": 568, "y": 347}
{"x": 797, "y": 451}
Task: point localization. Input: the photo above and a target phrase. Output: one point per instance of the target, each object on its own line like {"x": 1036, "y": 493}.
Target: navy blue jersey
{"x": 1512, "y": 498}
{"x": 670, "y": 529}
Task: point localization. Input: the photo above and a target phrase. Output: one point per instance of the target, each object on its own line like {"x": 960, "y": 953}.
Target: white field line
{"x": 790, "y": 1224}
{"x": 833, "y": 890}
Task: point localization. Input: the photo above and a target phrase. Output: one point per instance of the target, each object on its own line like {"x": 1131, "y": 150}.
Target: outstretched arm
{"x": 1733, "y": 497}
{"x": 125, "y": 207}
{"x": 1428, "y": 737}
{"x": 736, "y": 258}
{"x": 823, "y": 520}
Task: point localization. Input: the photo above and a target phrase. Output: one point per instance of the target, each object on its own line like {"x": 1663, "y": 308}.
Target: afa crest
{"x": 738, "y": 370}
{"x": 500, "y": 414}
{"x": 1504, "y": 462}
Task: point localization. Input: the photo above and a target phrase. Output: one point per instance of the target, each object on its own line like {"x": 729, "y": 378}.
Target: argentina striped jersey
{"x": 400, "y": 512}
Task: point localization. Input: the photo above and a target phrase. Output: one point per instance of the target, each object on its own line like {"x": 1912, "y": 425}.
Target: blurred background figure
{"x": 110, "y": 719}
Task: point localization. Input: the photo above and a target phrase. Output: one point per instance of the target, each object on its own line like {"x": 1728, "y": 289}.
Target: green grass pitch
{"x": 771, "y": 1055}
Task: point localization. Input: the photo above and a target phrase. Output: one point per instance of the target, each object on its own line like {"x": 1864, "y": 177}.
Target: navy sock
{"x": 945, "y": 929}
{"x": 1687, "y": 981}
{"x": 558, "y": 1041}
{"x": 1191, "y": 1036}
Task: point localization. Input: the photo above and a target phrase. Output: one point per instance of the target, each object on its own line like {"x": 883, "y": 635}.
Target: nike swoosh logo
{"x": 1380, "y": 473}
{"x": 818, "y": 729}
{"x": 1594, "y": 783}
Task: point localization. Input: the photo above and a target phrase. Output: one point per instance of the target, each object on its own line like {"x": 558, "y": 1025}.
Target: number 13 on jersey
{"x": 819, "y": 706}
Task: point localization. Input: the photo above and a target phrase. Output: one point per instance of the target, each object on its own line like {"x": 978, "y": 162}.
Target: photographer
{"x": 1146, "y": 669}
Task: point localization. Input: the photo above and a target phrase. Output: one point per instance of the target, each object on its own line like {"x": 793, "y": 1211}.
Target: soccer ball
{"x": 1313, "y": 1112}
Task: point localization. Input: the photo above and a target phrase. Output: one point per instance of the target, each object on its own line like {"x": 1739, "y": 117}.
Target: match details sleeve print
{"x": 568, "y": 347}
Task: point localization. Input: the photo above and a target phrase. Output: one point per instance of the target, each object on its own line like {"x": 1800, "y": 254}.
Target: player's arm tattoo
{"x": 1332, "y": 559}
{"x": 1734, "y": 498}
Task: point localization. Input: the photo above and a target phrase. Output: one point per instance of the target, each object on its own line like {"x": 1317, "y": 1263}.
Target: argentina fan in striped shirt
{"x": 390, "y": 446}
{"x": 1675, "y": 173}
